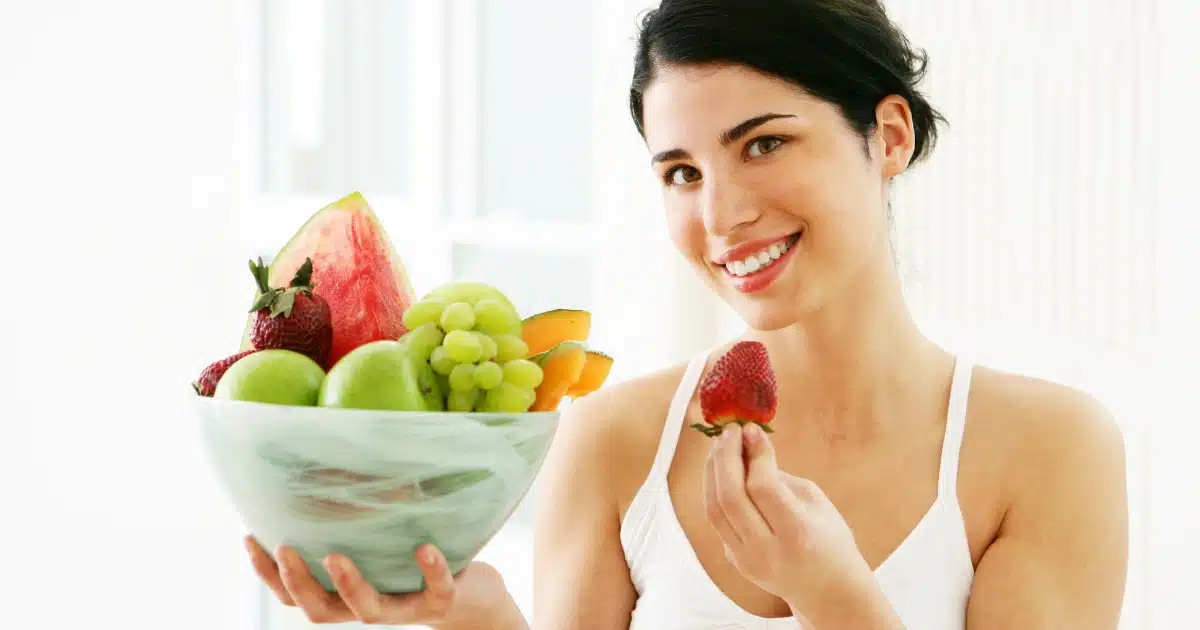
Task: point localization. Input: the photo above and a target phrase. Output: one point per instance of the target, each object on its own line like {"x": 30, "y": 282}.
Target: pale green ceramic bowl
{"x": 373, "y": 485}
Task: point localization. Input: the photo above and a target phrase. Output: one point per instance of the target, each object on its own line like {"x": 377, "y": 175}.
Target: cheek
{"x": 833, "y": 201}
{"x": 684, "y": 225}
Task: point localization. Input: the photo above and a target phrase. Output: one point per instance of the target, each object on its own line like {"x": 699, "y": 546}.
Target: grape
{"x": 507, "y": 398}
{"x": 488, "y": 375}
{"x": 462, "y": 377}
{"x": 441, "y": 361}
{"x": 494, "y": 318}
{"x": 462, "y": 346}
{"x": 489, "y": 347}
{"x": 530, "y": 397}
{"x": 458, "y": 316}
{"x": 462, "y": 400}
{"x": 510, "y": 348}
{"x": 523, "y": 373}
{"x": 423, "y": 339}
{"x": 423, "y": 312}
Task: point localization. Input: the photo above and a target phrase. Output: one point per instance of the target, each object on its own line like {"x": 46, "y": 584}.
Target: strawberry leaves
{"x": 280, "y": 301}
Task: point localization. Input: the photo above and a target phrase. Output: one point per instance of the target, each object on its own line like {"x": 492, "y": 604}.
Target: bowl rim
{"x": 374, "y": 413}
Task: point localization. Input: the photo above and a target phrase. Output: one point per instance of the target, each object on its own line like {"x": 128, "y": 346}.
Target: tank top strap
{"x": 676, "y": 415}
{"x": 956, "y": 420}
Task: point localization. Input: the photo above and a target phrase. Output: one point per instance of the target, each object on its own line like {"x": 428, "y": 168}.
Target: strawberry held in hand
{"x": 740, "y": 388}
{"x": 292, "y": 318}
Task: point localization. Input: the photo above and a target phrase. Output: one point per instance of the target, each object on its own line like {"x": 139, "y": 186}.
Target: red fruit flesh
{"x": 206, "y": 385}
{"x": 739, "y": 388}
{"x": 356, "y": 271}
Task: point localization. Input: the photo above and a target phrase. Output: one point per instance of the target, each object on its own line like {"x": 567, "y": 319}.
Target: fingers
{"x": 367, "y": 605}
{"x": 319, "y": 605}
{"x": 268, "y": 571}
{"x": 293, "y": 584}
{"x": 437, "y": 598}
{"x": 364, "y": 602}
{"x": 764, "y": 485}
{"x": 712, "y": 506}
{"x": 729, "y": 480}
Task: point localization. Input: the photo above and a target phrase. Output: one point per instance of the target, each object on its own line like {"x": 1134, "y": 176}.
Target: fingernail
{"x": 334, "y": 566}
{"x": 752, "y": 433}
{"x": 428, "y": 558}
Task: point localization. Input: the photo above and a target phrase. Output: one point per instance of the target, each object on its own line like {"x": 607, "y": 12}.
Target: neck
{"x": 844, "y": 368}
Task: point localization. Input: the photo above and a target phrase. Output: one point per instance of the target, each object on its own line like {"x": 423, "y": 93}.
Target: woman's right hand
{"x": 464, "y": 601}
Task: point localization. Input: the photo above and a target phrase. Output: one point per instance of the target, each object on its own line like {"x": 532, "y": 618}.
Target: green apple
{"x": 280, "y": 377}
{"x": 382, "y": 375}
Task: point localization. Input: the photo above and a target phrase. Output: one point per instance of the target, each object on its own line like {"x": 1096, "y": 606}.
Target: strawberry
{"x": 292, "y": 318}
{"x": 207, "y": 384}
{"x": 740, "y": 388}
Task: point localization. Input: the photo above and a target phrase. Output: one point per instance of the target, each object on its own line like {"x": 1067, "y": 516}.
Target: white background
{"x": 1050, "y": 233}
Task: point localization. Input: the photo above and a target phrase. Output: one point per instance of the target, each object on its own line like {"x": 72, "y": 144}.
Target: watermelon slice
{"x": 355, "y": 268}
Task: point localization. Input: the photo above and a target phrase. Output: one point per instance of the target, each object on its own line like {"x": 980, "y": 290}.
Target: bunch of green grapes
{"x": 477, "y": 352}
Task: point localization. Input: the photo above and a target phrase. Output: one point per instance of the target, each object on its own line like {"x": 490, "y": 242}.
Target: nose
{"x": 726, "y": 206}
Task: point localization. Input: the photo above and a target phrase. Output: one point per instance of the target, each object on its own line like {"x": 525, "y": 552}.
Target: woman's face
{"x": 768, "y": 191}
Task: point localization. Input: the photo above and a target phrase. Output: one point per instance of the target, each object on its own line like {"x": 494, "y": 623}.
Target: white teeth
{"x": 758, "y": 261}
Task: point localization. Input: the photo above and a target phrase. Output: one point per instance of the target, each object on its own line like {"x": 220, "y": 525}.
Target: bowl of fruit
{"x": 360, "y": 420}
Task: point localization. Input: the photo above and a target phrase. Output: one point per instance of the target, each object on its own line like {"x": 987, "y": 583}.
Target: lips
{"x": 745, "y": 250}
{"x": 760, "y": 268}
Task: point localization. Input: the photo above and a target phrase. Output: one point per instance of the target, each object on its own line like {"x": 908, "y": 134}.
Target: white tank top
{"x": 927, "y": 578}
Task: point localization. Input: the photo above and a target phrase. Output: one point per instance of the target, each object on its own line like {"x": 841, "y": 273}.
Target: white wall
{"x": 120, "y": 194}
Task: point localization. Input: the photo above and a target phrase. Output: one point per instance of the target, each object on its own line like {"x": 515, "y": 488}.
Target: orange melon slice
{"x": 596, "y": 369}
{"x": 561, "y": 366}
{"x": 546, "y": 330}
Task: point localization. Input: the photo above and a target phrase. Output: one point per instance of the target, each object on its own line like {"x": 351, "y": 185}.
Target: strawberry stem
{"x": 280, "y": 301}
{"x": 303, "y": 279}
{"x": 713, "y": 430}
{"x": 262, "y": 275}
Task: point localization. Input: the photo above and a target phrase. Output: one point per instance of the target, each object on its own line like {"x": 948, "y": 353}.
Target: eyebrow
{"x": 728, "y": 137}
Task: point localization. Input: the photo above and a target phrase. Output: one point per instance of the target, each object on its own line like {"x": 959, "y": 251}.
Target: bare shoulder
{"x": 1040, "y": 427}
{"x": 1057, "y": 457}
{"x": 604, "y": 442}
{"x": 618, "y": 428}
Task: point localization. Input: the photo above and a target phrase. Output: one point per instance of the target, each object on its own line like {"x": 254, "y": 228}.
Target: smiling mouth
{"x": 762, "y": 259}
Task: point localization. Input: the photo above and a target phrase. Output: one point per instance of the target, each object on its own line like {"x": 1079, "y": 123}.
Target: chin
{"x": 767, "y": 319}
{"x": 768, "y": 314}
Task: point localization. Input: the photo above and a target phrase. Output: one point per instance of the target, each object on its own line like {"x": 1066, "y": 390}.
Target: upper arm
{"x": 580, "y": 575}
{"x": 1060, "y": 557}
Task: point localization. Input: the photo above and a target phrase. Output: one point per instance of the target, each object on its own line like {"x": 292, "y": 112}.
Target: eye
{"x": 762, "y": 146}
{"x": 681, "y": 175}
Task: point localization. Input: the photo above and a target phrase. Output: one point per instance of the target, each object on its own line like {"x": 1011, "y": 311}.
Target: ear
{"x": 894, "y": 134}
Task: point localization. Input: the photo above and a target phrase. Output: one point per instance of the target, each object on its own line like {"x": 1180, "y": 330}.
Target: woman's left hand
{"x": 781, "y": 531}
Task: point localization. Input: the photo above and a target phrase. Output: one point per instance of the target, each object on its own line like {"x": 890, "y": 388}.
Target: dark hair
{"x": 846, "y": 52}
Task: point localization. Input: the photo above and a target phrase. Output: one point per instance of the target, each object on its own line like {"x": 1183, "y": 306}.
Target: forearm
{"x": 509, "y": 616}
{"x": 497, "y": 612}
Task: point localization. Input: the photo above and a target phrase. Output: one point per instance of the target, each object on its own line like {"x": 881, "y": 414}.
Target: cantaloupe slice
{"x": 561, "y": 366}
{"x": 595, "y": 372}
{"x": 546, "y": 330}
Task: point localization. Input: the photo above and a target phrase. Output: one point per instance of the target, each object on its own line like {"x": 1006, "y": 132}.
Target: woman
{"x": 902, "y": 487}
